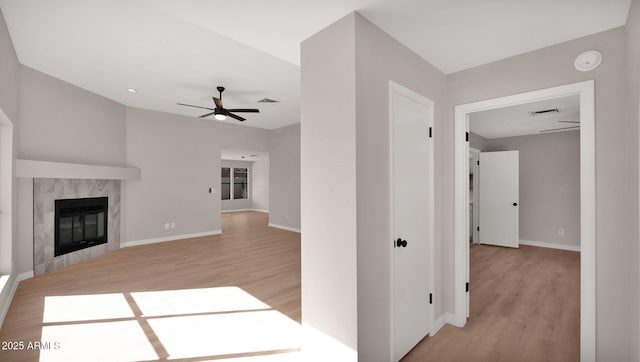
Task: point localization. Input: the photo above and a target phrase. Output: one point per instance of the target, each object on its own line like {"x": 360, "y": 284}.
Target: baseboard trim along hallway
{"x": 169, "y": 238}
{"x": 542, "y": 244}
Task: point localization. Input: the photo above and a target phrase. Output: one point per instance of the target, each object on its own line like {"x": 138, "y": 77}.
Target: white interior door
{"x": 412, "y": 218}
{"x": 499, "y": 195}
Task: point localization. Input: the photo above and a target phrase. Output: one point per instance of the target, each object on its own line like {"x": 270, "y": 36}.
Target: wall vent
{"x": 539, "y": 113}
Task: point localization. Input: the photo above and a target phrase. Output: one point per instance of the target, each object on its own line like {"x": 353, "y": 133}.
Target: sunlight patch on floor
{"x": 74, "y": 308}
{"x": 104, "y": 341}
{"x": 223, "y": 324}
{"x": 229, "y": 333}
{"x": 191, "y": 301}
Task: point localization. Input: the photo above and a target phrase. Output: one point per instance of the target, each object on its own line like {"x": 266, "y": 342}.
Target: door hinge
{"x": 478, "y": 163}
{"x": 430, "y": 298}
{"x": 467, "y": 287}
{"x": 430, "y": 132}
{"x": 478, "y": 228}
{"x": 467, "y": 137}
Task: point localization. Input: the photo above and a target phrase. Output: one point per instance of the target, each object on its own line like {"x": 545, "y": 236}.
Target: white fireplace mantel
{"x": 46, "y": 169}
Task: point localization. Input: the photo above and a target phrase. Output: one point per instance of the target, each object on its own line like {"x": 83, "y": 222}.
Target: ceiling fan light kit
{"x": 588, "y": 60}
{"x": 220, "y": 113}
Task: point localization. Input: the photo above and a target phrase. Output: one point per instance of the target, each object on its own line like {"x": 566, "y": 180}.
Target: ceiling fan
{"x": 220, "y": 113}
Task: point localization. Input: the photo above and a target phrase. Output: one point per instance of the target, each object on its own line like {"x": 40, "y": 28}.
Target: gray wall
{"x": 476, "y": 141}
{"x": 260, "y": 185}
{"x": 354, "y": 138}
{"x": 549, "y": 185}
{"x": 9, "y": 103}
{"x": 328, "y": 189}
{"x": 61, "y": 122}
{"x": 616, "y": 166}
{"x": 180, "y": 160}
{"x": 284, "y": 177}
{"x": 9, "y": 73}
{"x": 380, "y": 58}
{"x": 633, "y": 64}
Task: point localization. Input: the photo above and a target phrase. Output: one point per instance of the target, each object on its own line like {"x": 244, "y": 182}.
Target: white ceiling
{"x": 518, "y": 120}
{"x": 180, "y": 50}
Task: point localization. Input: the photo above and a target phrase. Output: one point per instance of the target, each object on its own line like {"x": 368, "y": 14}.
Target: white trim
{"x": 542, "y": 244}
{"x": 169, "y": 238}
{"x": 46, "y": 169}
{"x": 446, "y": 318}
{"x": 586, "y": 92}
{"x": 14, "y": 286}
{"x": 476, "y": 192}
{"x": 242, "y": 210}
{"x": 288, "y": 228}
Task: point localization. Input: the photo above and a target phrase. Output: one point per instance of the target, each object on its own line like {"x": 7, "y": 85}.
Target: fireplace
{"x": 80, "y": 223}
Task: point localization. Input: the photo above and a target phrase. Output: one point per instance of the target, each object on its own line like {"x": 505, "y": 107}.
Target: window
{"x": 226, "y": 183}
{"x": 237, "y": 190}
{"x": 240, "y": 190}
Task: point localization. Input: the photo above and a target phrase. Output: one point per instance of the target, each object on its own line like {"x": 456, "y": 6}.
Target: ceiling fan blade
{"x": 235, "y": 116}
{"x": 206, "y": 115}
{"x": 190, "y": 105}
{"x": 569, "y": 121}
{"x": 558, "y": 129}
{"x": 250, "y": 110}
{"x": 218, "y": 102}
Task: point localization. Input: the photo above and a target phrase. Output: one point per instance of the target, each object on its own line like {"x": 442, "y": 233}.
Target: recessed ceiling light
{"x": 588, "y": 60}
{"x": 131, "y": 90}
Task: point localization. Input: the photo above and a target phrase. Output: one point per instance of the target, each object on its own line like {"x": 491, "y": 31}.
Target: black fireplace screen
{"x": 80, "y": 223}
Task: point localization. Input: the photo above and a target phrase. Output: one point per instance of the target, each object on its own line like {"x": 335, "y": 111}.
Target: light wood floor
{"x": 525, "y": 306}
{"x": 263, "y": 261}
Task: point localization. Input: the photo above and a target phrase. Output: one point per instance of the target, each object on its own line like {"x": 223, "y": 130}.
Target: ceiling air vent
{"x": 539, "y": 113}
{"x": 267, "y": 100}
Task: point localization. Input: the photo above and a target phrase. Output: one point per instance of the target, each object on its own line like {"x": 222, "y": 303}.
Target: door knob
{"x": 515, "y": 204}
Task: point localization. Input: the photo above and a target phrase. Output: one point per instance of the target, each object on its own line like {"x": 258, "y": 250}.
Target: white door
{"x": 412, "y": 217}
{"x": 499, "y": 205}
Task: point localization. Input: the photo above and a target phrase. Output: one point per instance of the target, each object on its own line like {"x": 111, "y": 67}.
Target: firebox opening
{"x": 80, "y": 223}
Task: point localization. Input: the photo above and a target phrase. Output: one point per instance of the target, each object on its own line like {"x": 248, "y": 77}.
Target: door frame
{"x": 586, "y": 91}
{"x": 476, "y": 196}
{"x": 395, "y": 88}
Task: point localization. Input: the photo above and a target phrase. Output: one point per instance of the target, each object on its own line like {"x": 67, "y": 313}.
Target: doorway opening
{"x": 244, "y": 181}
{"x": 585, "y": 92}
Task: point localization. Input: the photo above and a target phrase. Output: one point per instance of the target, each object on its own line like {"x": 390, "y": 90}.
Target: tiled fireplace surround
{"x": 45, "y": 192}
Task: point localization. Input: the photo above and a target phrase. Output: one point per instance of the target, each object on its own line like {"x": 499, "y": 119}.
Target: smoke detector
{"x": 267, "y": 100}
{"x": 588, "y": 60}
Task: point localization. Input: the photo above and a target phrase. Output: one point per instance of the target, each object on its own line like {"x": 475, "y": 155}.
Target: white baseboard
{"x": 169, "y": 238}
{"x": 5, "y": 308}
{"x": 288, "y": 228}
{"x": 446, "y": 318}
{"x": 542, "y": 244}
{"x": 243, "y": 210}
